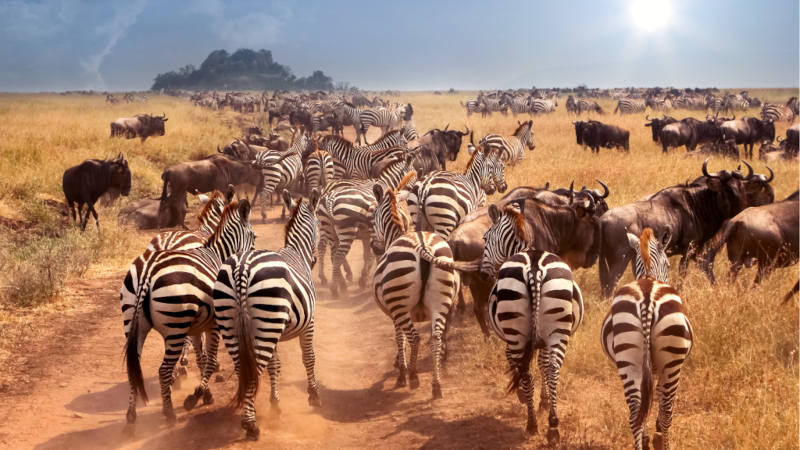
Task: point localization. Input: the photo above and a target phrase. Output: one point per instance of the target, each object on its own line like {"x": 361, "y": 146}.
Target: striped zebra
{"x": 351, "y": 161}
{"x": 174, "y": 297}
{"x": 415, "y": 280}
{"x": 409, "y": 131}
{"x": 491, "y": 104}
{"x": 777, "y": 113}
{"x": 519, "y": 105}
{"x": 261, "y": 297}
{"x": 543, "y": 105}
{"x": 344, "y": 215}
{"x": 571, "y": 105}
{"x": 658, "y": 104}
{"x": 511, "y": 148}
{"x": 351, "y": 116}
{"x": 535, "y": 304}
{"x": 584, "y": 105}
{"x": 384, "y": 118}
{"x": 714, "y": 103}
{"x": 318, "y": 171}
{"x": 471, "y": 106}
{"x": 280, "y": 169}
{"x": 630, "y": 106}
{"x": 441, "y": 200}
{"x": 646, "y": 333}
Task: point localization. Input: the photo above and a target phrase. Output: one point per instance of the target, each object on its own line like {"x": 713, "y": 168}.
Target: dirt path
{"x": 79, "y": 395}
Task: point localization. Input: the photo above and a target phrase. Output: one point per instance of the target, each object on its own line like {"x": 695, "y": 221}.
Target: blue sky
{"x": 73, "y": 44}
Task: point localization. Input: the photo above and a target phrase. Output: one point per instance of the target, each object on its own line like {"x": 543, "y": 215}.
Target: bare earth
{"x": 79, "y": 387}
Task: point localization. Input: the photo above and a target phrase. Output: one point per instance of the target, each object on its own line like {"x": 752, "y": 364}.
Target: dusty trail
{"x": 80, "y": 393}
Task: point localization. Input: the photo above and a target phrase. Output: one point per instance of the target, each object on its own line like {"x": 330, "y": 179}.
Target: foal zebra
{"x": 174, "y": 296}
{"x": 630, "y": 106}
{"x": 511, "y": 148}
{"x": 261, "y": 297}
{"x": 646, "y": 331}
{"x": 351, "y": 161}
{"x": 441, "y": 200}
{"x": 535, "y": 304}
{"x": 415, "y": 280}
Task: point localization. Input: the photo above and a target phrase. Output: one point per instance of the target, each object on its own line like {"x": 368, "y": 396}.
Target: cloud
{"x": 248, "y": 29}
{"x": 115, "y": 29}
{"x": 27, "y": 21}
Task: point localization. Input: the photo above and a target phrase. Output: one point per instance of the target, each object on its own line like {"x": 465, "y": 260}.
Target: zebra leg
{"x": 542, "y": 360}
{"x": 366, "y": 273}
{"x": 436, "y": 350}
{"x": 274, "y": 369}
{"x": 413, "y": 342}
{"x": 307, "y": 348}
{"x": 525, "y": 391}
{"x": 321, "y": 248}
{"x": 249, "y": 411}
{"x": 173, "y": 347}
{"x": 553, "y": 368}
{"x": 143, "y": 327}
{"x": 400, "y": 359}
{"x": 210, "y": 363}
{"x": 199, "y": 354}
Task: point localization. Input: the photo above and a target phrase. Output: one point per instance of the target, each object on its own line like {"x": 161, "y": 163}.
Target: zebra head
{"x": 390, "y": 217}
{"x": 510, "y": 233}
{"x": 302, "y": 229}
{"x": 497, "y": 170}
{"x": 651, "y": 258}
{"x": 525, "y": 134}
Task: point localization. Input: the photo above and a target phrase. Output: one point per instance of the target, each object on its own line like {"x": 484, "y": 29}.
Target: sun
{"x": 650, "y": 15}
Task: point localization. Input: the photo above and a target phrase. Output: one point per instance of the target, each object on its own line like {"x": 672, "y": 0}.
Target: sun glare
{"x": 650, "y": 15}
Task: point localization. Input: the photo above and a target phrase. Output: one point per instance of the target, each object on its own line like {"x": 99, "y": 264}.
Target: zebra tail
{"x": 132, "y": 362}
{"x": 517, "y": 370}
{"x": 248, "y": 364}
{"x": 445, "y": 263}
{"x": 710, "y": 252}
{"x": 646, "y": 388}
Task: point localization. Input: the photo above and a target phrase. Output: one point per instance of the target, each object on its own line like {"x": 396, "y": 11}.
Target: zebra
{"x": 261, "y": 297}
{"x": 414, "y": 280}
{"x": 280, "y": 169}
{"x": 777, "y": 113}
{"x": 630, "y": 106}
{"x": 571, "y": 105}
{"x": 472, "y": 106}
{"x": 351, "y": 161}
{"x": 519, "y": 105}
{"x": 657, "y": 104}
{"x": 543, "y": 105}
{"x": 491, "y": 105}
{"x": 344, "y": 214}
{"x": 714, "y": 103}
{"x": 174, "y": 296}
{"x": 646, "y": 331}
{"x": 318, "y": 171}
{"x": 441, "y": 200}
{"x": 351, "y": 116}
{"x": 511, "y": 148}
{"x": 386, "y": 119}
{"x": 534, "y": 304}
{"x": 588, "y": 106}
{"x": 409, "y": 131}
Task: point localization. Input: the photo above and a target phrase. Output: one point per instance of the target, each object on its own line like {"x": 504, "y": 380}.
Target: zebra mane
{"x": 290, "y": 223}
{"x": 406, "y": 179}
{"x": 400, "y": 215}
{"x": 230, "y": 209}
{"x": 472, "y": 159}
{"x": 386, "y": 136}
{"x": 528, "y": 123}
{"x": 644, "y": 249}
{"x": 335, "y": 138}
{"x": 521, "y": 228}
{"x": 201, "y": 216}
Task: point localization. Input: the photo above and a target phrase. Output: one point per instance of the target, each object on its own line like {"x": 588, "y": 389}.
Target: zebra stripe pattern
{"x": 352, "y": 116}
{"x": 646, "y": 333}
{"x": 630, "y": 106}
{"x": 261, "y": 297}
{"x": 407, "y": 289}
{"x": 535, "y": 304}
{"x": 543, "y": 105}
{"x": 280, "y": 169}
{"x": 777, "y": 113}
{"x": 511, "y": 148}
{"x": 174, "y": 297}
{"x": 441, "y": 200}
{"x": 351, "y": 161}
{"x": 318, "y": 171}
{"x": 385, "y": 119}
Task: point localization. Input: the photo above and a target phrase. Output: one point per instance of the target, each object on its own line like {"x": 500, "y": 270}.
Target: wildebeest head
{"x": 579, "y": 127}
{"x": 758, "y": 189}
{"x": 729, "y": 186}
{"x": 155, "y": 125}
{"x": 120, "y": 174}
{"x": 656, "y": 124}
{"x": 584, "y": 245}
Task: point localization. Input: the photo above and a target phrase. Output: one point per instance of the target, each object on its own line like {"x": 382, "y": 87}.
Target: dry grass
{"x": 740, "y": 385}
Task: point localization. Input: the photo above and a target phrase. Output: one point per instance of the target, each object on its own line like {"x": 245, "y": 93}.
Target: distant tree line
{"x": 245, "y": 69}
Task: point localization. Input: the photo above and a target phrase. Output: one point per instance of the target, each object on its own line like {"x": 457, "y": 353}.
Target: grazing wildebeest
{"x": 692, "y": 213}
{"x": 748, "y": 131}
{"x": 766, "y": 235}
{"x": 656, "y": 125}
{"x": 594, "y": 134}
{"x": 86, "y": 182}
{"x": 141, "y": 125}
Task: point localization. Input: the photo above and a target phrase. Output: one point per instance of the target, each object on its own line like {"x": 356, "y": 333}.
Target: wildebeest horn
{"x": 446, "y": 127}
{"x": 771, "y": 175}
{"x": 218, "y": 150}
{"x": 647, "y": 117}
{"x": 605, "y": 189}
{"x": 571, "y": 192}
{"x": 749, "y": 169}
{"x": 705, "y": 170}
{"x": 547, "y": 186}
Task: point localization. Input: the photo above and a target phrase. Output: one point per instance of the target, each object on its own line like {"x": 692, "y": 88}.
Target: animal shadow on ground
{"x": 356, "y": 405}
{"x": 474, "y": 432}
{"x": 112, "y": 400}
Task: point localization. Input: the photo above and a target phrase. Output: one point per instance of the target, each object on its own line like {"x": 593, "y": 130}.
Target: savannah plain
{"x": 62, "y": 378}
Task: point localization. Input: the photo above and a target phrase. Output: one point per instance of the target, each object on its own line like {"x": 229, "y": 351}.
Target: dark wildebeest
{"x": 86, "y": 182}
{"x": 141, "y": 125}
{"x": 445, "y": 144}
{"x": 692, "y": 213}
{"x": 690, "y": 132}
{"x": 594, "y": 134}
{"x": 212, "y": 173}
{"x": 793, "y": 139}
{"x": 570, "y": 229}
{"x": 767, "y": 235}
{"x": 748, "y": 131}
{"x": 656, "y": 125}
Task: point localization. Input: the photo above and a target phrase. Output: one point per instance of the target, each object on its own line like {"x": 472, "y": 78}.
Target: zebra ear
{"x": 244, "y": 209}
{"x": 288, "y": 201}
{"x": 633, "y": 241}
{"x": 494, "y": 213}
{"x": 377, "y": 190}
{"x": 313, "y": 199}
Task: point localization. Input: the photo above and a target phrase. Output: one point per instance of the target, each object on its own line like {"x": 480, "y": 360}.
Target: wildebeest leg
{"x": 480, "y": 300}
{"x": 94, "y": 213}
{"x": 72, "y": 210}
{"x": 764, "y": 269}
{"x": 85, "y": 218}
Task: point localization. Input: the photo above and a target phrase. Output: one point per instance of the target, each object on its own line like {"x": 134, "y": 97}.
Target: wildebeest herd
{"x": 433, "y": 235}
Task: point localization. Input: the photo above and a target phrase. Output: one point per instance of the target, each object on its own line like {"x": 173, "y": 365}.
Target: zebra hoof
{"x": 401, "y": 381}
{"x": 553, "y": 436}
{"x": 314, "y": 400}
{"x": 190, "y": 402}
{"x": 413, "y": 381}
{"x": 219, "y": 378}
{"x": 131, "y": 416}
{"x": 658, "y": 441}
{"x": 251, "y": 430}
{"x": 184, "y": 361}
{"x": 531, "y": 428}
{"x": 208, "y": 399}
{"x": 182, "y": 371}
{"x": 437, "y": 392}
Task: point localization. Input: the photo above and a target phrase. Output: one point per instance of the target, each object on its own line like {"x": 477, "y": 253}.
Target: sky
{"x": 114, "y": 45}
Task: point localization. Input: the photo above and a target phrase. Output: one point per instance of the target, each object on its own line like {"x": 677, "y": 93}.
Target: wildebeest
{"x": 656, "y": 125}
{"x": 140, "y": 125}
{"x": 689, "y": 132}
{"x": 793, "y": 139}
{"x": 445, "y": 144}
{"x": 766, "y": 235}
{"x": 692, "y": 213}
{"x": 86, "y": 182}
{"x": 748, "y": 131}
{"x": 594, "y": 134}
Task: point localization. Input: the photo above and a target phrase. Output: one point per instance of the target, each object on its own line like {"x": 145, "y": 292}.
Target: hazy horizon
{"x": 115, "y": 46}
